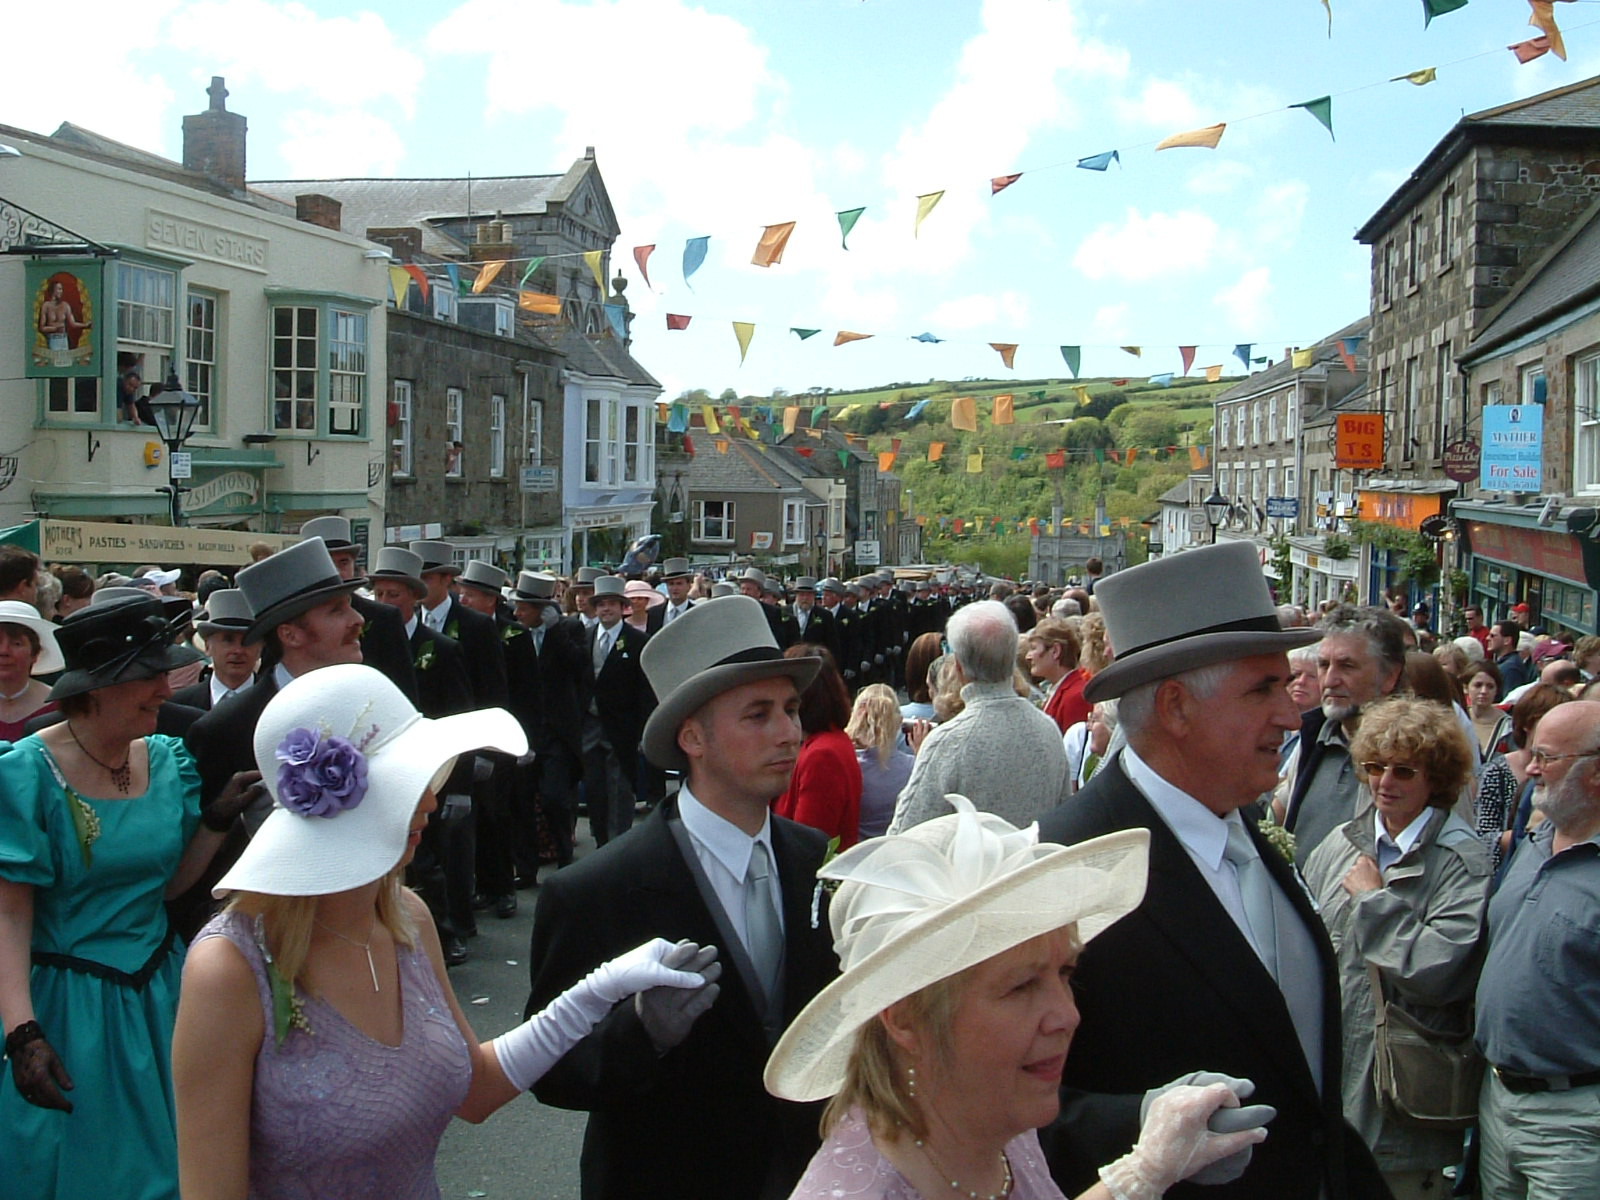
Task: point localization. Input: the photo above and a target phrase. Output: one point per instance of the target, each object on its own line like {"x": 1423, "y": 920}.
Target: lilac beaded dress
{"x": 849, "y": 1167}
{"x": 337, "y": 1114}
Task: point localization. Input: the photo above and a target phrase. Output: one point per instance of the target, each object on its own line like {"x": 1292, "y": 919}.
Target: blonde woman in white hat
{"x": 320, "y": 1050}
{"x": 942, "y": 1043}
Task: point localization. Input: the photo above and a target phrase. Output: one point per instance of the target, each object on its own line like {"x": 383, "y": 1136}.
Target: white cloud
{"x": 1245, "y": 301}
{"x": 1160, "y": 102}
{"x": 1145, "y": 247}
{"x": 1219, "y": 178}
{"x": 329, "y": 145}
{"x": 1110, "y": 323}
{"x": 998, "y": 314}
{"x": 1278, "y": 214}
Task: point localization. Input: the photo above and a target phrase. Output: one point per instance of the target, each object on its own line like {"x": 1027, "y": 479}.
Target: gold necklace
{"x": 121, "y": 776}
{"x": 365, "y": 946}
{"x": 971, "y": 1193}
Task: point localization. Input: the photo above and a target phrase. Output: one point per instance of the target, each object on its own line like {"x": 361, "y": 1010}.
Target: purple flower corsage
{"x": 320, "y": 776}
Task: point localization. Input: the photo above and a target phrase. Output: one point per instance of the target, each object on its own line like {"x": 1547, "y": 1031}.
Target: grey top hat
{"x": 334, "y": 530}
{"x": 226, "y": 612}
{"x": 722, "y": 588}
{"x": 1209, "y": 605}
{"x": 286, "y": 584}
{"x": 676, "y": 568}
{"x": 396, "y": 562}
{"x": 535, "y": 587}
{"x": 436, "y": 556}
{"x": 484, "y": 575}
{"x": 830, "y": 584}
{"x": 127, "y": 638}
{"x": 854, "y": 589}
{"x": 711, "y": 649}
{"x": 772, "y": 585}
{"x": 610, "y": 585}
{"x": 754, "y": 575}
{"x": 805, "y": 584}
{"x": 585, "y": 576}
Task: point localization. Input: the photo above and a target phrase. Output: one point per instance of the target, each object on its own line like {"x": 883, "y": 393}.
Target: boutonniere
{"x": 425, "y": 659}
{"x": 1279, "y": 838}
{"x": 511, "y": 631}
{"x": 824, "y": 885}
{"x": 365, "y": 626}
{"x": 453, "y": 629}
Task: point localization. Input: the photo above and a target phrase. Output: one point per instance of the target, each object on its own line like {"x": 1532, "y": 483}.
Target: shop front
{"x": 103, "y": 545}
{"x": 1389, "y": 569}
{"x": 1319, "y": 576}
{"x": 1512, "y": 559}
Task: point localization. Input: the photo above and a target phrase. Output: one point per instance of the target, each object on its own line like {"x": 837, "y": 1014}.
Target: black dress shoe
{"x": 505, "y": 906}
{"x": 482, "y": 902}
{"x": 455, "y": 950}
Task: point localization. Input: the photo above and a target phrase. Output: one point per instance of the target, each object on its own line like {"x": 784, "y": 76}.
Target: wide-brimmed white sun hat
{"x": 928, "y": 903}
{"x": 18, "y": 612}
{"x": 346, "y": 758}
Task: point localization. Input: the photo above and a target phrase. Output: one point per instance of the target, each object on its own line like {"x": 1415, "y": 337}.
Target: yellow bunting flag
{"x": 814, "y": 433}
{"x": 1006, "y": 350}
{"x": 1426, "y": 75}
{"x": 1133, "y": 350}
{"x": 722, "y": 445}
{"x": 844, "y": 335}
{"x": 399, "y": 283}
{"x": 1327, "y": 4}
{"x": 1197, "y": 458}
{"x": 769, "y": 249}
{"x": 1544, "y": 20}
{"x": 744, "y": 331}
{"x": 886, "y": 461}
{"x": 791, "y": 418}
{"x": 486, "y": 274}
{"x": 964, "y": 414}
{"x": 1301, "y": 359}
{"x": 847, "y": 410}
{"x": 925, "y": 206}
{"x": 592, "y": 257}
{"x": 935, "y": 451}
{"x": 1214, "y": 373}
{"x": 710, "y": 415}
{"x": 748, "y": 429}
{"x": 1082, "y": 393}
{"x": 1205, "y": 139}
{"x": 975, "y": 463}
{"x": 1004, "y": 411}
{"x": 539, "y": 302}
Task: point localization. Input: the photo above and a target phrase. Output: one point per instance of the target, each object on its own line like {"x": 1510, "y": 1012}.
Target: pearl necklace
{"x": 366, "y": 945}
{"x": 955, "y": 1184}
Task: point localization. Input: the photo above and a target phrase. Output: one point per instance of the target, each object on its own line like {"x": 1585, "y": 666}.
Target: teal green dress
{"x": 98, "y": 869}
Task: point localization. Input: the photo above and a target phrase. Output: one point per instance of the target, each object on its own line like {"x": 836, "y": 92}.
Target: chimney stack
{"x": 316, "y": 209}
{"x": 213, "y": 141}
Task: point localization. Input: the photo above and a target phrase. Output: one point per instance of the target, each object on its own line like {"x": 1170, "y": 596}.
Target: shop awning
{"x": 106, "y": 542}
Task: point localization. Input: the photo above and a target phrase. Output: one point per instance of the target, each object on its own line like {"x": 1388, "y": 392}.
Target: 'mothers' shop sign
{"x": 1513, "y": 448}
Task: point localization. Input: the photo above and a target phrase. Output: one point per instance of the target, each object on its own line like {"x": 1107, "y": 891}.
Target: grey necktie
{"x": 538, "y": 640}
{"x": 763, "y": 933}
{"x": 1255, "y": 889}
{"x": 602, "y": 647}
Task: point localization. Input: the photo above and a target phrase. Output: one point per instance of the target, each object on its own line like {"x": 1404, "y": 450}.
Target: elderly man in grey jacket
{"x": 999, "y": 751}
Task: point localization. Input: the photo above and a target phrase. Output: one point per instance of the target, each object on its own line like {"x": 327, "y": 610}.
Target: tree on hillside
{"x": 1101, "y": 404}
{"x": 1149, "y": 426}
{"x": 1086, "y": 433}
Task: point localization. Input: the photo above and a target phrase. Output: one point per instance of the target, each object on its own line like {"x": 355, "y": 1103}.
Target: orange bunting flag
{"x": 1001, "y": 182}
{"x": 710, "y": 415}
{"x": 1133, "y": 350}
{"x": 935, "y": 451}
{"x": 1197, "y": 458}
{"x": 769, "y": 249}
{"x": 1187, "y": 354}
{"x": 1006, "y": 350}
{"x": 593, "y": 257}
{"x": 1133, "y": 453}
{"x": 1004, "y": 411}
{"x": 1205, "y": 139}
{"x": 1214, "y": 373}
{"x": 744, "y": 331}
{"x": 925, "y": 204}
{"x": 1055, "y": 459}
{"x": 641, "y": 255}
{"x": 722, "y": 445}
{"x": 964, "y": 414}
{"x": 542, "y": 302}
{"x": 791, "y": 418}
{"x": 1531, "y": 49}
{"x": 886, "y": 462}
{"x": 1544, "y": 20}
{"x": 421, "y": 277}
{"x": 678, "y": 321}
{"x": 844, "y": 335}
{"x": 975, "y": 463}
{"x": 486, "y": 274}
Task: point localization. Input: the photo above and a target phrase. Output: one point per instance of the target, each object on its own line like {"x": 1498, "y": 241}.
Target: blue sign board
{"x": 1283, "y": 506}
{"x": 1513, "y": 448}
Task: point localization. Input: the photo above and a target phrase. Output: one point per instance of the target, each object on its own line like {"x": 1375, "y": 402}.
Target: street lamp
{"x": 174, "y": 411}
{"x": 1216, "y": 507}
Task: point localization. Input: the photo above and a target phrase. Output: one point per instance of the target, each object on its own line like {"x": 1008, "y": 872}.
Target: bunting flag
{"x": 678, "y": 419}
{"x": 421, "y": 277}
{"x": 544, "y": 303}
{"x": 1321, "y": 109}
{"x": 678, "y": 321}
{"x": 399, "y": 284}
{"x": 1001, "y": 182}
{"x": 617, "y": 318}
{"x": 1056, "y": 460}
{"x": 1531, "y": 49}
{"x": 1186, "y": 353}
{"x": 916, "y": 409}
{"x": 748, "y": 429}
{"x": 886, "y": 462}
{"x": 735, "y": 413}
{"x": 1018, "y": 453}
{"x": 819, "y": 414}
{"x": 1197, "y": 458}
{"x": 1082, "y": 392}
{"x": 847, "y": 410}
{"x": 1033, "y": 526}
{"x": 844, "y": 335}
{"x": 1438, "y": 8}
{"x": 1073, "y": 357}
{"x": 1544, "y": 20}
{"x": 770, "y": 248}
{"x": 1214, "y": 373}
{"x": 1163, "y": 380}
{"x": 925, "y": 205}
{"x": 927, "y": 337}
{"x": 1004, "y": 411}
{"x": 1242, "y": 353}
{"x": 535, "y": 263}
{"x": 1099, "y": 162}
{"x": 1202, "y": 139}
{"x": 960, "y": 525}
{"x": 1133, "y": 350}
{"x": 641, "y": 255}
{"x": 1133, "y": 453}
{"x": 1419, "y": 78}
{"x": 964, "y": 414}
{"x": 1006, "y": 350}
{"x": 975, "y": 463}
{"x": 722, "y": 445}
{"x": 1301, "y": 359}
{"x": 694, "y": 253}
{"x": 935, "y": 451}
{"x": 710, "y": 414}
{"x": 454, "y": 272}
{"x": 688, "y": 445}
{"x": 844, "y": 458}
{"x": 1121, "y": 383}
{"x": 804, "y": 451}
{"x": 486, "y": 274}
{"x": 1114, "y": 454}
{"x": 1328, "y": 4}
{"x": 1347, "y": 349}
{"x": 791, "y": 420}
{"x": 593, "y": 257}
{"x": 803, "y": 334}
{"x": 847, "y": 222}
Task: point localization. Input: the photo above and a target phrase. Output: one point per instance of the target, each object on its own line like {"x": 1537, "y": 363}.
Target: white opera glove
{"x": 532, "y": 1048}
{"x": 1224, "y": 1120}
{"x": 1175, "y": 1142}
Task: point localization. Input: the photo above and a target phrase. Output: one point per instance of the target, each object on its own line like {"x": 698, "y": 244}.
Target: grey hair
{"x": 1383, "y": 631}
{"x": 1304, "y": 654}
{"x": 1136, "y": 707}
{"x": 983, "y": 637}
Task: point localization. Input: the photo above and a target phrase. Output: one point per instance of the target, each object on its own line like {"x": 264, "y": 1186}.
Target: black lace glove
{"x": 238, "y": 794}
{"x": 36, "y": 1068}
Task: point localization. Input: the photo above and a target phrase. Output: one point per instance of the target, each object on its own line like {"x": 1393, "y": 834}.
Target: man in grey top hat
{"x": 1225, "y": 966}
{"x": 812, "y": 622}
{"x": 383, "y": 642}
{"x": 444, "y": 613}
{"x": 618, "y": 699}
{"x": 678, "y": 577}
{"x": 677, "y": 1110}
{"x": 233, "y": 663}
{"x": 559, "y": 647}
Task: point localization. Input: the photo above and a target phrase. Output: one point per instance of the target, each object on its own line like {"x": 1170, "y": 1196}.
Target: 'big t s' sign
{"x": 1513, "y": 448}
{"x": 1358, "y": 442}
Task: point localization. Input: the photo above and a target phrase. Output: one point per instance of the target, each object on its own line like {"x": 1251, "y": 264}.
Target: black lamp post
{"x": 175, "y": 412}
{"x": 1216, "y": 507}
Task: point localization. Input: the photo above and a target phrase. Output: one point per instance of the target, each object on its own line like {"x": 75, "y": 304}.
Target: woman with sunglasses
{"x": 99, "y": 824}
{"x": 1402, "y": 890}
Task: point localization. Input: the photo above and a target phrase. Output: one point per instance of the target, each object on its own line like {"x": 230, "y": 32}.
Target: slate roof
{"x": 1178, "y": 494}
{"x": 1566, "y": 275}
{"x": 598, "y": 355}
{"x": 742, "y": 468}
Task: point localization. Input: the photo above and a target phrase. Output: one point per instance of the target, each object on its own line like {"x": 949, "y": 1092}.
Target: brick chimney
{"x": 318, "y": 210}
{"x": 492, "y": 240}
{"x": 213, "y": 141}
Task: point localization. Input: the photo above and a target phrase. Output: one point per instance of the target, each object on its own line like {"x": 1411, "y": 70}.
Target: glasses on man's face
{"x": 1401, "y": 772}
{"x": 1543, "y": 758}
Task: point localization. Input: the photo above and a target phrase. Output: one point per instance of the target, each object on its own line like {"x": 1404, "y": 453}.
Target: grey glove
{"x": 668, "y": 1013}
{"x": 456, "y": 807}
{"x": 1224, "y": 1120}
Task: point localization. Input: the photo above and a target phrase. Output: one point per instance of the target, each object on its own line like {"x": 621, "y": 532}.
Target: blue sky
{"x": 720, "y": 117}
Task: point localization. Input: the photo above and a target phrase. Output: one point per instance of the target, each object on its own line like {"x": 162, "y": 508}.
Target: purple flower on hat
{"x": 320, "y": 776}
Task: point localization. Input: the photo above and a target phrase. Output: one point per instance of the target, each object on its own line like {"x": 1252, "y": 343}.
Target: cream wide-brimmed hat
{"x": 927, "y": 904}
{"x": 346, "y": 758}
{"x": 19, "y": 612}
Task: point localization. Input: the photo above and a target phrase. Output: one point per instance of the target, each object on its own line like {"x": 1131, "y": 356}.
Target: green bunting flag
{"x": 847, "y": 222}
{"x": 803, "y": 334}
{"x": 533, "y": 265}
{"x": 1074, "y": 358}
{"x": 818, "y": 415}
{"x": 844, "y": 458}
{"x": 1019, "y": 453}
{"x": 1321, "y": 109}
{"x": 1438, "y": 8}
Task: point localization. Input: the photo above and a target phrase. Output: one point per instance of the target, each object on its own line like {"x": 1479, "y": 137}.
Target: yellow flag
{"x": 1544, "y": 20}
{"x": 663, "y": 410}
{"x": 886, "y": 462}
{"x": 592, "y": 257}
{"x": 710, "y": 415}
{"x": 722, "y": 445}
{"x": 1301, "y": 359}
{"x": 1004, "y": 411}
{"x": 1205, "y": 139}
{"x": 769, "y": 249}
{"x": 1214, "y": 373}
{"x": 964, "y": 413}
{"x": 1426, "y": 75}
{"x": 486, "y": 274}
{"x": 975, "y": 463}
{"x": 1082, "y": 392}
{"x": 749, "y": 429}
{"x": 935, "y": 451}
{"x": 925, "y": 206}
{"x": 814, "y": 433}
{"x": 539, "y": 302}
{"x": 1133, "y": 350}
{"x": 847, "y": 410}
{"x": 844, "y": 335}
{"x": 744, "y": 331}
{"x": 791, "y": 418}
{"x": 399, "y": 284}
{"x": 1006, "y": 350}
